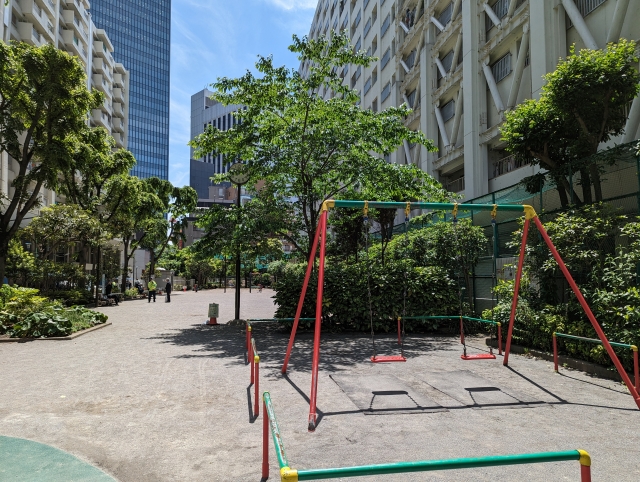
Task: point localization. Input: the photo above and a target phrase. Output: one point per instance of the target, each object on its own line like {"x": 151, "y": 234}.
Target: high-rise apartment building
{"x": 205, "y": 112}
{"x": 141, "y": 35}
{"x": 461, "y": 64}
{"x": 67, "y": 25}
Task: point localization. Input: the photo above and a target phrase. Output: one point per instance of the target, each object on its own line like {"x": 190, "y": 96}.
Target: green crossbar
{"x": 275, "y": 431}
{"x": 434, "y": 206}
{"x": 451, "y": 317}
{"x": 272, "y": 320}
{"x": 594, "y": 340}
{"x": 432, "y": 465}
{"x": 288, "y": 474}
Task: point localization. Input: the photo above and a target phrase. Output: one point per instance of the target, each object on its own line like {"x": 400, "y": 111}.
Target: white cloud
{"x": 294, "y": 4}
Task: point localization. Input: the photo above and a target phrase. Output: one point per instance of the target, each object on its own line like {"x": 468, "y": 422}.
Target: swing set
{"x": 321, "y": 237}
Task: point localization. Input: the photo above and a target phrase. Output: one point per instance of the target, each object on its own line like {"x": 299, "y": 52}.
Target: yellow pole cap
{"x": 634, "y": 348}
{"x": 366, "y": 208}
{"x": 585, "y": 458}
{"x": 329, "y": 203}
{"x": 529, "y": 212}
{"x": 249, "y": 328}
{"x": 288, "y": 475}
{"x": 256, "y": 359}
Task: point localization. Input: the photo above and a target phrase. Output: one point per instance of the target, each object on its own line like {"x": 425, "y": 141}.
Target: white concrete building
{"x": 460, "y": 64}
{"x": 67, "y": 25}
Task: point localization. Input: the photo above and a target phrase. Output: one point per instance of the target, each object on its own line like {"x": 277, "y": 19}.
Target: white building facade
{"x": 67, "y": 25}
{"x": 461, "y": 64}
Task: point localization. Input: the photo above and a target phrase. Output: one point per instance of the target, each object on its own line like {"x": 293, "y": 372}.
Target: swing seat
{"x": 387, "y": 359}
{"x": 479, "y": 356}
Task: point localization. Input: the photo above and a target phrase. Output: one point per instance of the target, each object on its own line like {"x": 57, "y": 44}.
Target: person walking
{"x": 167, "y": 288}
{"x": 152, "y": 290}
{"x": 195, "y": 287}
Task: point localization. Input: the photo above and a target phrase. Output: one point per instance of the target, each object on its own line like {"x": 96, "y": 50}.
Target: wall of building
{"x": 460, "y": 64}
{"x": 67, "y": 25}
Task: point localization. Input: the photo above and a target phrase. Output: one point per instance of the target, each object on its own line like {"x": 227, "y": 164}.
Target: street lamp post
{"x": 238, "y": 175}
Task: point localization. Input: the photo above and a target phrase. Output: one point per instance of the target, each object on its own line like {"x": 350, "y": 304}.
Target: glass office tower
{"x": 141, "y": 34}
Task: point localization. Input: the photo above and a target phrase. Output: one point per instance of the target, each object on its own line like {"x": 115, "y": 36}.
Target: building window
{"x": 367, "y": 86}
{"x": 358, "y": 45}
{"x": 356, "y": 22}
{"x": 585, "y": 7}
{"x": 386, "y": 91}
{"x": 412, "y": 98}
{"x": 385, "y": 26}
{"x": 374, "y": 105}
{"x": 447, "y": 62}
{"x": 501, "y": 8}
{"x": 366, "y": 2}
{"x": 367, "y": 27}
{"x": 448, "y": 110}
{"x": 385, "y": 59}
{"x": 501, "y": 68}
{"x": 445, "y": 16}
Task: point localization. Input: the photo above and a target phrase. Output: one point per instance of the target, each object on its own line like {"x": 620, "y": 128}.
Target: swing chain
{"x": 368, "y": 265}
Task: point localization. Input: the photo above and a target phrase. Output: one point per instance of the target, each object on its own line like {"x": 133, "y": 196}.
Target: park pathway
{"x": 158, "y": 396}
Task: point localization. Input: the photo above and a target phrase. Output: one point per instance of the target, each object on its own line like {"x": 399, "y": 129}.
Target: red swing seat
{"x": 387, "y": 359}
{"x": 479, "y": 356}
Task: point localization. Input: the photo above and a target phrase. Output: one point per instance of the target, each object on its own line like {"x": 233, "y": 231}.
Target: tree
{"x": 583, "y": 104}
{"x": 21, "y": 264}
{"x": 177, "y": 204}
{"x": 305, "y": 149}
{"x": 43, "y": 101}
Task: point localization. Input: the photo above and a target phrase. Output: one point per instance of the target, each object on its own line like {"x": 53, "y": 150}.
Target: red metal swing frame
{"x": 529, "y": 212}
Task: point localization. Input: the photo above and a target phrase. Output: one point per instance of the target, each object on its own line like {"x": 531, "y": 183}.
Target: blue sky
{"x": 221, "y": 38}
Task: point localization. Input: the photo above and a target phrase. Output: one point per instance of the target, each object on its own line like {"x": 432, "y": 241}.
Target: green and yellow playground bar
{"x": 633, "y": 348}
{"x": 529, "y": 214}
{"x": 288, "y": 474}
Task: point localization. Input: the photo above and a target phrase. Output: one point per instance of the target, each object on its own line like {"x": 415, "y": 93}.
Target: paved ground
{"x": 159, "y": 397}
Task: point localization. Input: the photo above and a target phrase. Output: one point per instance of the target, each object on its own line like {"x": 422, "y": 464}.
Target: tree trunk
{"x": 3, "y": 267}
{"x": 586, "y": 186}
{"x": 595, "y": 179}
{"x": 97, "y": 283}
{"x": 125, "y": 270}
{"x": 152, "y": 265}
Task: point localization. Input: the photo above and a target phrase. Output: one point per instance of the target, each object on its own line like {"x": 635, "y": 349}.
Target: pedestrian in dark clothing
{"x": 195, "y": 287}
{"x": 109, "y": 290}
{"x": 167, "y": 288}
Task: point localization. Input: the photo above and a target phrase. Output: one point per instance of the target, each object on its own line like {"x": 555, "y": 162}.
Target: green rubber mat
{"x": 27, "y": 461}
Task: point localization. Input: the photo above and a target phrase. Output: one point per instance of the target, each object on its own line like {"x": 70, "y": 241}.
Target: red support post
{"x": 585, "y": 473}
{"x": 303, "y": 293}
{"x": 252, "y": 361}
{"x": 499, "y": 338}
{"x": 636, "y": 370}
{"x": 399, "y": 329}
{"x": 514, "y": 303}
{"x": 265, "y": 442}
{"x": 256, "y": 409}
{"x": 461, "y": 331}
{"x": 589, "y": 313}
{"x": 555, "y": 353}
{"x": 318, "y": 327}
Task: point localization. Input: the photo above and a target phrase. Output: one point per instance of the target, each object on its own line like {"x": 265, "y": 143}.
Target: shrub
{"x": 70, "y": 297}
{"x": 40, "y": 324}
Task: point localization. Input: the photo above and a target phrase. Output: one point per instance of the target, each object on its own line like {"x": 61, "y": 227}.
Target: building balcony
{"x": 50, "y": 6}
{"x": 101, "y": 83}
{"x": 39, "y": 16}
{"x": 118, "y": 125}
{"x": 413, "y": 34}
{"x": 121, "y": 140}
{"x": 29, "y": 34}
{"x": 72, "y": 21}
{"x": 75, "y": 46}
{"x": 101, "y": 67}
{"x": 101, "y": 50}
{"x": 101, "y": 119}
{"x": 456, "y": 185}
{"x": 117, "y": 109}
{"x": 118, "y": 95}
{"x": 80, "y": 7}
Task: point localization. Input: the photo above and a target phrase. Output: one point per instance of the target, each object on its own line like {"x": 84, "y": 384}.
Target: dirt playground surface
{"x": 158, "y": 396}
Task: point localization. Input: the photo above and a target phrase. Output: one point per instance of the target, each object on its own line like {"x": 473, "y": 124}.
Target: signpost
{"x": 214, "y": 309}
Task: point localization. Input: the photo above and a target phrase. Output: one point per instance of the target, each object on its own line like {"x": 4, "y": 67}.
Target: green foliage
{"x": 601, "y": 249}
{"x": 70, "y": 297}
{"x": 45, "y": 102}
{"x": 305, "y": 148}
{"x": 39, "y": 324}
{"x": 582, "y": 105}
{"x": 431, "y": 261}
{"x": 21, "y": 264}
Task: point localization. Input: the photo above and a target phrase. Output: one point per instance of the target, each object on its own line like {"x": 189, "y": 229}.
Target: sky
{"x": 222, "y": 38}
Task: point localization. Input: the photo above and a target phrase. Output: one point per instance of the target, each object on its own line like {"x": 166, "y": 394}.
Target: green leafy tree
{"x": 582, "y": 105}
{"x": 304, "y": 148}
{"x": 43, "y": 102}
{"x": 168, "y": 224}
{"x": 21, "y": 264}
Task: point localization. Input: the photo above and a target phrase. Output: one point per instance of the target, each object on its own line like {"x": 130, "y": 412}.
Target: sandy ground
{"x": 158, "y": 396}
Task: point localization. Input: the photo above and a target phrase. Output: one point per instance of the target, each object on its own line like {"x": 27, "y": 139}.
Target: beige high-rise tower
{"x": 461, "y": 64}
